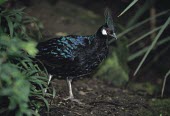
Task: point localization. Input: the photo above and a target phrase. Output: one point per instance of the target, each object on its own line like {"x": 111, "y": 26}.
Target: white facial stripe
{"x": 104, "y": 32}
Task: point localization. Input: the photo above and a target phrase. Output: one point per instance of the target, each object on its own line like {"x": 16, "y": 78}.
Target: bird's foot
{"x": 71, "y": 98}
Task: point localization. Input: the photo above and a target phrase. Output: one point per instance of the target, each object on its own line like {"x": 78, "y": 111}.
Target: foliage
{"x": 153, "y": 44}
{"x": 137, "y": 32}
{"x": 142, "y": 37}
{"x": 2, "y": 1}
{"x": 129, "y": 32}
{"x": 128, "y": 7}
{"x": 162, "y": 106}
{"x": 146, "y": 88}
{"x": 164, "y": 82}
{"x": 22, "y": 82}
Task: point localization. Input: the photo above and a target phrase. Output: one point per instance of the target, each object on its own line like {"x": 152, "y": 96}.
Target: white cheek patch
{"x": 104, "y": 32}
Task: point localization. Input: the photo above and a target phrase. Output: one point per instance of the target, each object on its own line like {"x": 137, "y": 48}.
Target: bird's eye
{"x": 104, "y": 32}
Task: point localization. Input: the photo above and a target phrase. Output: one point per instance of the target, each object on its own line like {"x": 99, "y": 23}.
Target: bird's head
{"x": 108, "y": 28}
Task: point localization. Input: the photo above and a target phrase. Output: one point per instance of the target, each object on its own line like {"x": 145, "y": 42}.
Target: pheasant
{"x": 74, "y": 56}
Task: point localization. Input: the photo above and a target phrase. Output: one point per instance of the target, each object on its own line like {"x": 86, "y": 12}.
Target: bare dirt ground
{"x": 100, "y": 99}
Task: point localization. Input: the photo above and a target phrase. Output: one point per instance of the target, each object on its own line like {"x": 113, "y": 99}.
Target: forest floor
{"x": 100, "y": 98}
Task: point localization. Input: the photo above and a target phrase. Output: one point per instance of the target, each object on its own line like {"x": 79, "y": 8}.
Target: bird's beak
{"x": 114, "y": 35}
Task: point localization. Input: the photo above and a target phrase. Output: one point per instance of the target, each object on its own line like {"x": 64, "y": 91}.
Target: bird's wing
{"x": 63, "y": 48}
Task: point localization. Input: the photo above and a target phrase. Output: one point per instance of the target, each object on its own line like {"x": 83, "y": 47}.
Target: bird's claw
{"x": 71, "y": 98}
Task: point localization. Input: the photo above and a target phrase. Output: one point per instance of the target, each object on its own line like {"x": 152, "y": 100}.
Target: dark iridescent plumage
{"x": 73, "y": 56}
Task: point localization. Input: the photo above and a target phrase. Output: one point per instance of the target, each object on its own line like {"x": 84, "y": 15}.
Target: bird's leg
{"x": 49, "y": 80}
{"x": 71, "y": 96}
{"x": 69, "y": 80}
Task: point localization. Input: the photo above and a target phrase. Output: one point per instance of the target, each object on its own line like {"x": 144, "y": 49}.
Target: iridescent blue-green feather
{"x": 63, "y": 47}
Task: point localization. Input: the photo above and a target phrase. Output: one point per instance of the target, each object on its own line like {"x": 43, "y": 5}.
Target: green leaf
{"x": 3, "y": 1}
{"x": 20, "y": 77}
{"x": 10, "y": 25}
{"x": 126, "y": 31}
{"x": 44, "y": 100}
{"x": 128, "y": 7}
{"x": 30, "y": 47}
{"x": 140, "y": 12}
{"x": 143, "y": 36}
{"x": 164, "y": 82}
{"x": 141, "y": 52}
{"x": 152, "y": 45}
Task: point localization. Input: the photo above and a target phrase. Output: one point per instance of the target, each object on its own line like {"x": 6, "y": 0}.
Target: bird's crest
{"x": 108, "y": 18}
